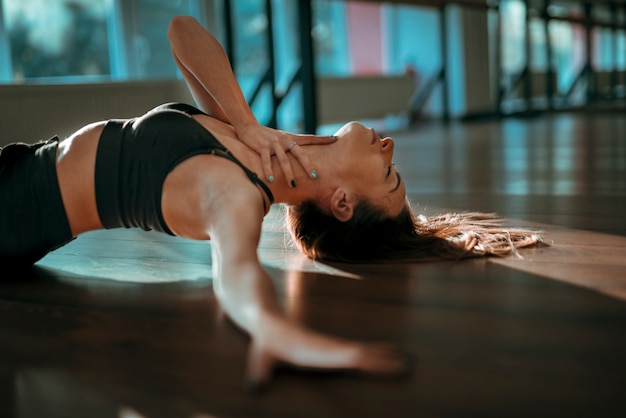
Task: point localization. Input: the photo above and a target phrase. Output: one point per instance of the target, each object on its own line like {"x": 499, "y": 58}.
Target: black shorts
{"x": 32, "y": 216}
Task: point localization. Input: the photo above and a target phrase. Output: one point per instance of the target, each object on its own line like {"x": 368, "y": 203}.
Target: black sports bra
{"x": 135, "y": 156}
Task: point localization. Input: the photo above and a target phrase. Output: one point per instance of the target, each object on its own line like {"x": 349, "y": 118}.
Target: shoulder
{"x": 235, "y": 209}
{"x": 235, "y": 227}
{"x": 207, "y": 194}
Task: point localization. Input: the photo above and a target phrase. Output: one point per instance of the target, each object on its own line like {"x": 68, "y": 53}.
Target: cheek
{"x": 372, "y": 178}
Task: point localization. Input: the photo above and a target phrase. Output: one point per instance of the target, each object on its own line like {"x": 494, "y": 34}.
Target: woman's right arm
{"x": 246, "y": 293}
{"x": 208, "y": 73}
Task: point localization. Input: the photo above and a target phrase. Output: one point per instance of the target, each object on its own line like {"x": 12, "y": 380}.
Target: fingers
{"x": 307, "y": 139}
{"x": 304, "y": 161}
{"x": 259, "y": 368}
{"x": 283, "y": 161}
{"x": 285, "y": 165}
{"x": 364, "y": 360}
{"x": 280, "y": 150}
{"x": 295, "y": 147}
{"x": 382, "y": 360}
{"x": 266, "y": 161}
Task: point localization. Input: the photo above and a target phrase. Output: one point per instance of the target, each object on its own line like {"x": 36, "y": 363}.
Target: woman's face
{"x": 365, "y": 163}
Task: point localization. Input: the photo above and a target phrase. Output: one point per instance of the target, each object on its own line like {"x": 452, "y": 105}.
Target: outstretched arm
{"x": 246, "y": 293}
{"x": 208, "y": 73}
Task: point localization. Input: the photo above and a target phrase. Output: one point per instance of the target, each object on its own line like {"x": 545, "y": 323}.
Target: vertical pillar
{"x": 6, "y": 66}
{"x": 528, "y": 82}
{"x": 550, "y": 68}
{"x": 614, "y": 51}
{"x": 623, "y": 78}
{"x": 468, "y": 66}
{"x": 498, "y": 58}
{"x": 589, "y": 52}
{"x": 271, "y": 69}
{"x": 307, "y": 69}
{"x": 228, "y": 32}
{"x": 443, "y": 29}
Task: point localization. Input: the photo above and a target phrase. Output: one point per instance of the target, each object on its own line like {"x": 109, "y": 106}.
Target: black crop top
{"x": 135, "y": 156}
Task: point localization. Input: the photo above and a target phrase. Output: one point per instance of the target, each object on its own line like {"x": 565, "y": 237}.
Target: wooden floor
{"x": 125, "y": 323}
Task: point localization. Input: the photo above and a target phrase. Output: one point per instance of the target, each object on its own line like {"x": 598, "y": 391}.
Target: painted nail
{"x": 314, "y": 174}
{"x": 270, "y": 179}
{"x": 293, "y": 183}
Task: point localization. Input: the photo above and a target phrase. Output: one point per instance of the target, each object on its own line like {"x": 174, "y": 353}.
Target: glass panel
{"x": 403, "y": 25}
{"x": 287, "y": 53}
{"x": 330, "y": 37}
{"x": 620, "y": 59}
{"x": 568, "y": 44}
{"x": 250, "y": 39}
{"x": 57, "y": 38}
{"x": 602, "y": 49}
{"x": 513, "y": 52}
{"x": 423, "y": 60}
{"x": 539, "y": 47}
{"x": 146, "y": 46}
{"x": 90, "y": 40}
{"x": 513, "y": 36}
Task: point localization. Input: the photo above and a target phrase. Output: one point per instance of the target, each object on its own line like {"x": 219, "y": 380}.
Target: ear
{"x": 342, "y": 205}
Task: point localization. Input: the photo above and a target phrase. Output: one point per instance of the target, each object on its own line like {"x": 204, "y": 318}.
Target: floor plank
{"x": 125, "y": 323}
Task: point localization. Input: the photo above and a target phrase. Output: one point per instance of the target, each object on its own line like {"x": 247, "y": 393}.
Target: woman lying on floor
{"x": 190, "y": 172}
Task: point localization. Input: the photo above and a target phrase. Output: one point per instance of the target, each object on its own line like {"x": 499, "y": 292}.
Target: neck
{"x": 306, "y": 188}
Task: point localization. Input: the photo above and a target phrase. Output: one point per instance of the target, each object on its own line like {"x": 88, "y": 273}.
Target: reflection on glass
{"x": 57, "y": 38}
{"x": 88, "y": 40}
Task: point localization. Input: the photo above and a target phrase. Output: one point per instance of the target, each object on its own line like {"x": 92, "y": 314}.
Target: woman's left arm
{"x": 208, "y": 73}
{"x": 246, "y": 293}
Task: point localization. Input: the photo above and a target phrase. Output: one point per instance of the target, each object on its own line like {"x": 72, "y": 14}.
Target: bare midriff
{"x": 76, "y": 159}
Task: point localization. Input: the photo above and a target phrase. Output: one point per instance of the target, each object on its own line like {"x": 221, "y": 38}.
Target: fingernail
{"x": 314, "y": 174}
{"x": 270, "y": 179}
{"x": 293, "y": 183}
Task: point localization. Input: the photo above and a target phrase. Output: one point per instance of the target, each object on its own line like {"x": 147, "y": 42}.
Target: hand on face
{"x": 268, "y": 142}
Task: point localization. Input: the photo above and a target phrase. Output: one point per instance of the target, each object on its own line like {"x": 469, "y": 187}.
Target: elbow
{"x": 178, "y": 24}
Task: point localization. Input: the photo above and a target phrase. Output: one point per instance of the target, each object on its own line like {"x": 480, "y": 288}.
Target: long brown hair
{"x": 369, "y": 236}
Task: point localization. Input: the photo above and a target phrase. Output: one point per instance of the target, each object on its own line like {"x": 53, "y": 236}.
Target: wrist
{"x": 245, "y": 123}
{"x": 269, "y": 325}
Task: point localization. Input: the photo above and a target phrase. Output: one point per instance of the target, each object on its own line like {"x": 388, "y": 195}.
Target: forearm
{"x": 207, "y": 70}
{"x": 246, "y": 293}
{"x": 248, "y": 298}
{"x": 202, "y": 98}
{"x": 250, "y": 302}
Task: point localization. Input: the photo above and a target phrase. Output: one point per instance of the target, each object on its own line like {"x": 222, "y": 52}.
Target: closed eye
{"x": 397, "y": 184}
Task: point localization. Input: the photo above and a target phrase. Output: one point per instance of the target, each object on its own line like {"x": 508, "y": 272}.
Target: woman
{"x": 191, "y": 173}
